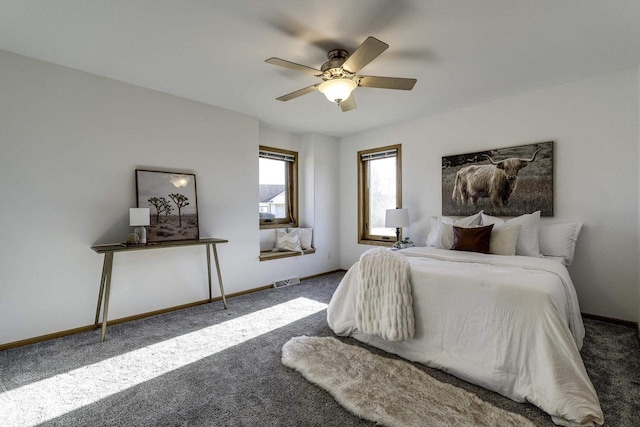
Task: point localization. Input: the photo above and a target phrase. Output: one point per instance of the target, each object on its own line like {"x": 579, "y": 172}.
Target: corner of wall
{"x": 325, "y": 201}
{"x": 638, "y": 177}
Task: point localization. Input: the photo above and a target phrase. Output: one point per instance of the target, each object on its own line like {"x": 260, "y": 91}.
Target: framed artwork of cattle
{"x": 504, "y": 182}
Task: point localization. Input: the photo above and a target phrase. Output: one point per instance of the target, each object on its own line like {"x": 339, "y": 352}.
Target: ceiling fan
{"x": 339, "y": 74}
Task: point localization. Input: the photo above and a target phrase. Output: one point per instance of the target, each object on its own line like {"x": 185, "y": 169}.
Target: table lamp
{"x": 397, "y": 218}
{"x": 138, "y": 218}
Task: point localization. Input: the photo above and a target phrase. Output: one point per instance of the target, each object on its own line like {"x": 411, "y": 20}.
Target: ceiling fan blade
{"x": 348, "y": 104}
{"x": 298, "y": 93}
{"x": 365, "y": 53}
{"x": 387, "y": 82}
{"x": 293, "y": 66}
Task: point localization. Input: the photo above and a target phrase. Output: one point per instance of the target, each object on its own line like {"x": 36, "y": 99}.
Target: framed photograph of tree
{"x": 172, "y": 201}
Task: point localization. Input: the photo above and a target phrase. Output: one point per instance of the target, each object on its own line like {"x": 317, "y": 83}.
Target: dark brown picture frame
{"x": 173, "y": 201}
{"x": 469, "y": 178}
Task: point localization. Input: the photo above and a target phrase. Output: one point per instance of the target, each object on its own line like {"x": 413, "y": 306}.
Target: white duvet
{"x": 507, "y": 323}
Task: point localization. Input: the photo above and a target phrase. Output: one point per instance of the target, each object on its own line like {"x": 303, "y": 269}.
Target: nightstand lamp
{"x": 397, "y": 218}
{"x": 139, "y": 218}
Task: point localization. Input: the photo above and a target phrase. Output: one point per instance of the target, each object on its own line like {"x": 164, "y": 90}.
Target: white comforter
{"x": 509, "y": 324}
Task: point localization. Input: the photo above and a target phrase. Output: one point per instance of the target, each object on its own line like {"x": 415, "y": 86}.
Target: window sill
{"x": 376, "y": 242}
{"x": 269, "y": 255}
{"x": 268, "y": 225}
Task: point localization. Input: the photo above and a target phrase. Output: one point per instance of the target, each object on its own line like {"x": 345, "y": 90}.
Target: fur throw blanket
{"x": 384, "y": 304}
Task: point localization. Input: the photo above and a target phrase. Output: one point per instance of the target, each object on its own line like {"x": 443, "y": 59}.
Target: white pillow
{"x": 444, "y": 239}
{"x": 445, "y": 236}
{"x": 434, "y": 226}
{"x": 469, "y": 221}
{"x": 287, "y": 241}
{"x": 559, "y": 240}
{"x": 306, "y": 237}
{"x": 527, "y": 238}
{"x": 504, "y": 239}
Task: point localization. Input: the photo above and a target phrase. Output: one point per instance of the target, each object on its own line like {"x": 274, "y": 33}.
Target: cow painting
{"x": 505, "y": 182}
{"x": 496, "y": 181}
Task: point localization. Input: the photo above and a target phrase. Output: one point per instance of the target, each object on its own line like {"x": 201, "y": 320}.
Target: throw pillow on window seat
{"x": 287, "y": 241}
{"x": 306, "y": 237}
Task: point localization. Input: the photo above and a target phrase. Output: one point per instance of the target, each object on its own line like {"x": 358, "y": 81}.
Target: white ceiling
{"x": 462, "y": 52}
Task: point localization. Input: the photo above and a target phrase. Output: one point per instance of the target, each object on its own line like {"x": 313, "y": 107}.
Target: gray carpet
{"x": 246, "y": 385}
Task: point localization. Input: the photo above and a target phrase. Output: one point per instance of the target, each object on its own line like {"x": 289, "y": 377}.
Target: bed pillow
{"x": 444, "y": 233}
{"x": 432, "y": 237}
{"x": 504, "y": 239}
{"x": 527, "y": 238}
{"x": 472, "y": 239}
{"x": 287, "y": 241}
{"x": 559, "y": 240}
{"x": 445, "y": 236}
{"x": 469, "y": 221}
{"x": 306, "y": 237}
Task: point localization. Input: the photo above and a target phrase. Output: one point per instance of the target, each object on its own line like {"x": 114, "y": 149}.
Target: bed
{"x": 510, "y": 324}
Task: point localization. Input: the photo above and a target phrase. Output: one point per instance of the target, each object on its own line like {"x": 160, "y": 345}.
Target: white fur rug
{"x": 388, "y": 391}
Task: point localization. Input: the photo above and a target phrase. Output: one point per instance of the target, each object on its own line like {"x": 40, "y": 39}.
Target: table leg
{"x": 215, "y": 257}
{"x": 101, "y": 293}
{"x": 107, "y": 290}
{"x": 209, "y": 269}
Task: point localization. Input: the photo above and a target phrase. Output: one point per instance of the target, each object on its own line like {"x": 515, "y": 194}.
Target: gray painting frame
{"x": 176, "y": 223}
{"x": 534, "y": 183}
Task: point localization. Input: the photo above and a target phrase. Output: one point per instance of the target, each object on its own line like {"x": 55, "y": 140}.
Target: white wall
{"x": 326, "y": 197}
{"x": 594, "y": 124}
{"x": 70, "y": 142}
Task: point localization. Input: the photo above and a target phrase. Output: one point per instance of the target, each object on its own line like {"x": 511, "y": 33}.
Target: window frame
{"x": 364, "y": 237}
{"x": 291, "y": 184}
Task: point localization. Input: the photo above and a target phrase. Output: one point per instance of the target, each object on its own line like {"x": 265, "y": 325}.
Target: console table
{"x": 110, "y": 249}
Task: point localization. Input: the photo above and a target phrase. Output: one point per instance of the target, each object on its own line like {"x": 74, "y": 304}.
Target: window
{"x": 379, "y": 189}
{"x": 278, "y": 187}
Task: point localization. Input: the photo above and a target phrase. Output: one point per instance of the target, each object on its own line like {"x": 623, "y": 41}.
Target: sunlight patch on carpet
{"x": 52, "y": 397}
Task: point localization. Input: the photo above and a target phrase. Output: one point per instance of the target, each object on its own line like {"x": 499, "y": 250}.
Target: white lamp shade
{"x": 397, "y": 218}
{"x": 139, "y": 216}
{"x": 337, "y": 90}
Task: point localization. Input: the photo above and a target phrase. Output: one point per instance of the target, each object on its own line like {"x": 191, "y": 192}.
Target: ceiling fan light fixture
{"x": 339, "y": 74}
{"x": 337, "y": 90}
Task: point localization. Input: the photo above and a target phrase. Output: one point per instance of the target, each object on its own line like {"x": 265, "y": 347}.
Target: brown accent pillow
{"x": 473, "y": 239}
